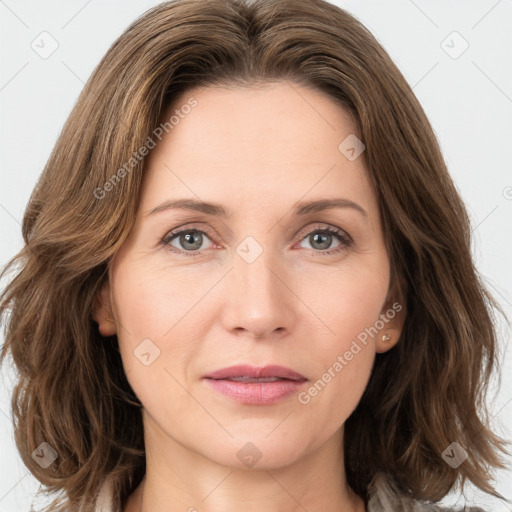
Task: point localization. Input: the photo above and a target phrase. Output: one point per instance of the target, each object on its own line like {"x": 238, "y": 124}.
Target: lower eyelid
{"x": 166, "y": 241}
{"x": 344, "y": 239}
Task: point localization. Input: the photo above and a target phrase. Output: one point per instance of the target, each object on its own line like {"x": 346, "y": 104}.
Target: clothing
{"x": 105, "y": 500}
{"x": 383, "y": 497}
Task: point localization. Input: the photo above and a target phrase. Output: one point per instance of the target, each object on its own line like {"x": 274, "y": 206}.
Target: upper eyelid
{"x": 210, "y": 232}
{"x": 173, "y": 232}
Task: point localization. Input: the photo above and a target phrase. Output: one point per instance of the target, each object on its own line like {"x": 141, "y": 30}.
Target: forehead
{"x": 279, "y": 139}
{"x": 259, "y": 117}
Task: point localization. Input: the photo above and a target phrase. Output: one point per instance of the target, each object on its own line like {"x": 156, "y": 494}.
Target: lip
{"x": 256, "y": 393}
{"x": 256, "y": 372}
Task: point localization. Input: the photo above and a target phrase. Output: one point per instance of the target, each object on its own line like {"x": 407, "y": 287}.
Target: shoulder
{"x": 384, "y": 497}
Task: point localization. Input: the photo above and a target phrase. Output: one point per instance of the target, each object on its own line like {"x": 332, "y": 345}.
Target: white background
{"x": 468, "y": 100}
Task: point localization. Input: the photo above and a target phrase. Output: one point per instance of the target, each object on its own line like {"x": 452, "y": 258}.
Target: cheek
{"x": 154, "y": 308}
{"x": 150, "y": 301}
{"x": 348, "y": 307}
{"x": 347, "y": 301}
{"x": 344, "y": 362}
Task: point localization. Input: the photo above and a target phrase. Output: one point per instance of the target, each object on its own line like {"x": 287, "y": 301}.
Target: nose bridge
{"x": 257, "y": 277}
{"x": 259, "y": 299}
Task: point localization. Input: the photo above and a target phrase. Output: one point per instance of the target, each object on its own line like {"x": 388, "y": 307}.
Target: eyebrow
{"x": 299, "y": 209}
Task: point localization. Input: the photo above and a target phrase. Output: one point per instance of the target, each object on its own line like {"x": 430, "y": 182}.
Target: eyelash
{"x": 343, "y": 237}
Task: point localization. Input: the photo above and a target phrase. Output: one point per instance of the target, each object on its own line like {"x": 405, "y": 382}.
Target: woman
{"x": 247, "y": 279}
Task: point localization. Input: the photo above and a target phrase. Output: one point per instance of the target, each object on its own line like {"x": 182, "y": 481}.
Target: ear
{"x": 102, "y": 311}
{"x": 392, "y": 315}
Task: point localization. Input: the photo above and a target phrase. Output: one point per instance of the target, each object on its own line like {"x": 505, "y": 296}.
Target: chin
{"x": 257, "y": 452}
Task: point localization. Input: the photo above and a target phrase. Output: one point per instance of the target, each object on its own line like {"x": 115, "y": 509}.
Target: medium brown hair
{"x": 426, "y": 393}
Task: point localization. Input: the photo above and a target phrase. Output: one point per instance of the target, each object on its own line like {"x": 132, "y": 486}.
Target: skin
{"x": 256, "y": 151}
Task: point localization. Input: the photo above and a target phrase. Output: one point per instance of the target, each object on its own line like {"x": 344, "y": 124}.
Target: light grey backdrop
{"x": 457, "y": 55}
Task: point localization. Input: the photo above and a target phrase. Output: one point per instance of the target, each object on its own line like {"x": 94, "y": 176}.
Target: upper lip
{"x": 255, "y": 372}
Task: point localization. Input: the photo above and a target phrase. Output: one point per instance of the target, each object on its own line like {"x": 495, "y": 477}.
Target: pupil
{"x": 323, "y": 238}
{"x": 189, "y": 238}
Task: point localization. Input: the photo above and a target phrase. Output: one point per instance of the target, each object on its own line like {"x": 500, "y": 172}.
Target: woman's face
{"x": 260, "y": 284}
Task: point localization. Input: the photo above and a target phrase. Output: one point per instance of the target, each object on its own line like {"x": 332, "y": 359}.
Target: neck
{"x": 189, "y": 481}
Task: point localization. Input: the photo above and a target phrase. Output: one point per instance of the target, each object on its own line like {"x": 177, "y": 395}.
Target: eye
{"x": 186, "y": 241}
{"x": 190, "y": 241}
{"x": 320, "y": 239}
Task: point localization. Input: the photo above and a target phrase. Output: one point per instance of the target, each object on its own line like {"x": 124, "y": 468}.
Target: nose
{"x": 260, "y": 303}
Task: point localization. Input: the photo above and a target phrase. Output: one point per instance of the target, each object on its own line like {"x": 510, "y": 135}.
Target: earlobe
{"x": 102, "y": 312}
{"x": 386, "y": 340}
{"x": 390, "y": 334}
{"x": 393, "y": 317}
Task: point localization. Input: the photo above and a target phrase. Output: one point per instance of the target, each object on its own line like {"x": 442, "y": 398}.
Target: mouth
{"x": 247, "y": 373}
{"x": 256, "y": 386}
{"x": 246, "y": 378}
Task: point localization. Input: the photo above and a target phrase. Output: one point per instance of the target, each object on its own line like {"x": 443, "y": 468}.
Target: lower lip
{"x": 256, "y": 393}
